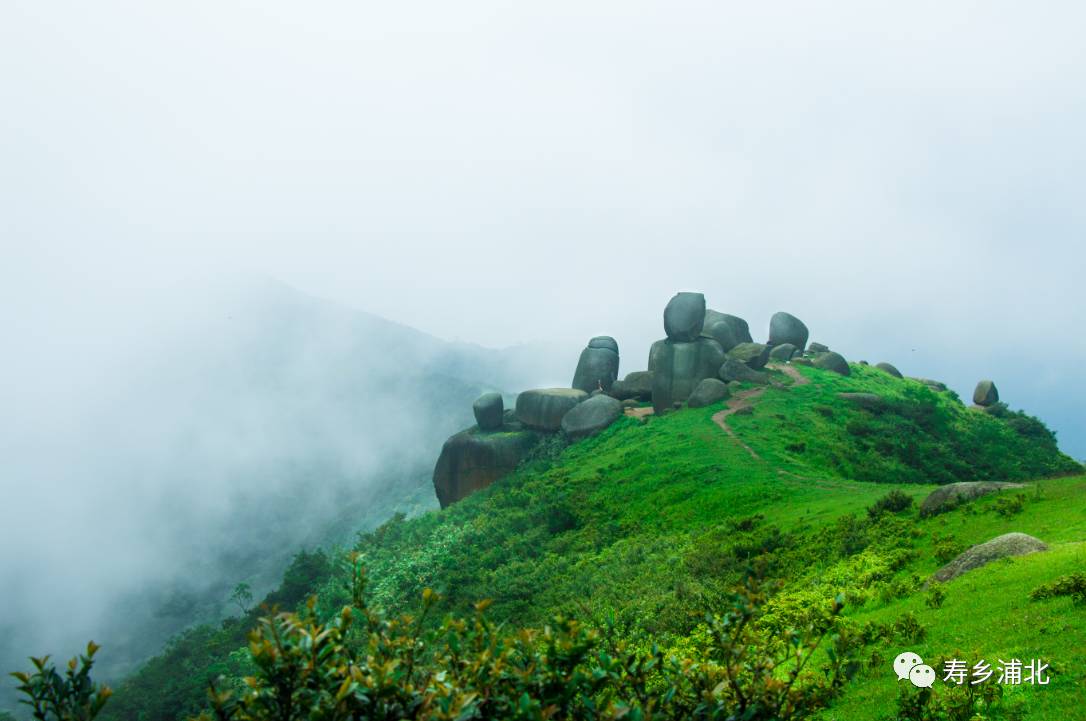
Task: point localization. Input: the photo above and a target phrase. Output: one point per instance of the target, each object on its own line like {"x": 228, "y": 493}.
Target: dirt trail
{"x": 745, "y": 399}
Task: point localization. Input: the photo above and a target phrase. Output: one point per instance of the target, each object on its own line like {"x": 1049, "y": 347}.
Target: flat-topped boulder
{"x": 680, "y": 367}
{"x": 489, "y": 411}
{"x": 889, "y": 369}
{"x": 986, "y": 394}
{"x": 786, "y": 328}
{"x": 1005, "y": 546}
{"x": 708, "y": 392}
{"x": 948, "y": 497}
{"x": 755, "y": 355}
{"x": 636, "y": 385}
{"x": 598, "y": 365}
{"x": 591, "y": 417}
{"x": 474, "y": 459}
{"x": 684, "y": 317}
{"x": 832, "y": 362}
{"x": 543, "y": 408}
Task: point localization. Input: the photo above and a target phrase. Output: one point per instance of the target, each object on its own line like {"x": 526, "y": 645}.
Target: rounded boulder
{"x": 831, "y": 361}
{"x": 986, "y": 394}
{"x": 684, "y": 317}
{"x": 708, "y": 392}
{"x": 786, "y": 328}
{"x": 591, "y": 417}
{"x": 544, "y": 408}
{"x": 889, "y": 368}
{"x": 489, "y": 411}
{"x": 755, "y": 355}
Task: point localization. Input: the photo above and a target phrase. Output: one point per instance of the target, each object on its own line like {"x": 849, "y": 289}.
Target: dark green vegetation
{"x": 642, "y": 530}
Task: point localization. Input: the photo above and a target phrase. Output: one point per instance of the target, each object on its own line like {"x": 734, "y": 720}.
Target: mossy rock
{"x": 472, "y": 460}
{"x": 948, "y": 497}
{"x": 1005, "y": 546}
{"x": 543, "y": 409}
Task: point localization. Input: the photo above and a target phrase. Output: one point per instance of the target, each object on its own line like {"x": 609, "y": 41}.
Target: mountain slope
{"x": 648, "y": 524}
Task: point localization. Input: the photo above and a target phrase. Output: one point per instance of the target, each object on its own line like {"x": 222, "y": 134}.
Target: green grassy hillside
{"x": 647, "y": 526}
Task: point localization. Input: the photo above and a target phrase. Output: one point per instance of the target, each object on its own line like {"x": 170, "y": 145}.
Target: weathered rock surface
{"x": 591, "y": 417}
{"x": 654, "y": 353}
{"x": 740, "y": 329}
{"x": 684, "y": 317}
{"x": 708, "y": 392}
{"x": 473, "y": 459}
{"x": 986, "y": 394}
{"x": 783, "y": 352}
{"x": 786, "y": 328}
{"x": 832, "y": 362}
{"x": 755, "y": 355}
{"x": 680, "y": 367}
{"x": 543, "y": 409}
{"x": 867, "y": 401}
{"x": 889, "y": 368}
{"x": 800, "y": 361}
{"x": 734, "y": 370}
{"x": 1009, "y": 544}
{"x": 489, "y": 411}
{"x": 817, "y": 348}
{"x": 635, "y": 385}
{"x": 948, "y": 497}
{"x": 597, "y": 366}
{"x": 937, "y": 386}
{"x": 722, "y": 333}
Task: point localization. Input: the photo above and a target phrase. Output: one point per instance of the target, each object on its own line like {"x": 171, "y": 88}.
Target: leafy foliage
{"x": 68, "y": 696}
{"x": 1073, "y": 585}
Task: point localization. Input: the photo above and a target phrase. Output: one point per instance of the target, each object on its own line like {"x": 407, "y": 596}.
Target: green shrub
{"x": 1007, "y": 506}
{"x": 893, "y": 502}
{"x": 1073, "y": 585}
{"x": 72, "y": 696}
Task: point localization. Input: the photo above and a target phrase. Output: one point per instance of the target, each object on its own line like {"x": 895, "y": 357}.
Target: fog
{"x": 904, "y": 177}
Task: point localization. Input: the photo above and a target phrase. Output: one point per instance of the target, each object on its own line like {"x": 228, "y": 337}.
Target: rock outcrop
{"x": 708, "y": 392}
{"x": 597, "y": 366}
{"x": 948, "y": 497}
{"x": 832, "y": 362}
{"x": 986, "y": 394}
{"x": 734, "y": 370}
{"x": 636, "y": 385}
{"x": 889, "y": 369}
{"x": 816, "y": 348}
{"x": 542, "y": 409}
{"x": 755, "y": 355}
{"x": 473, "y": 459}
{"x": 1009, "y": 544}
{"x": 783, "y": 352}
{"x": 739, "y": 328}
{"x": 489, "y": 411}
{"x": 680, "y": 366}
{"x": 786, "y": 328}
{"x": 684, "y": 317}
{"x": 590, "y": 417}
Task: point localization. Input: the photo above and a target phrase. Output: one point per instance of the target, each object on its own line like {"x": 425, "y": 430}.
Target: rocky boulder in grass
{"x": 948, "y": 497}
{"x": 597, "y": 366}
{"x": 986, "y": 394}
{"x": 636, "y": 385}
{"x": 680, "y": 367}
{"x": 543, "y": 409}
{"x": 786, "y": 328}
{"x": 473, "y": 459}
{"x": 708, "y": 392}
{"x": 937, "y": 386}
{"x": 684, "y": 317}
{"x": 815, "y": 348}
{"x": 889, "y": 369}
{"x": 832, "y": 362}
{"x": 732, "y": 370}
{"x": 591, "y": 417}
{"x": 489, "y": 411}
{"x": 1005, "y": 546}
{"x": 755, "y": 355}
{"x": 783, "y": 352}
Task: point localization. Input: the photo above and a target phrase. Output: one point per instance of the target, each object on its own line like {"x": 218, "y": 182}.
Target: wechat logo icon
{"x": 910, "y": 666}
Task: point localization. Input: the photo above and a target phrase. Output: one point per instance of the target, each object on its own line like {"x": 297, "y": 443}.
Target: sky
{"x": 905, "y": 177}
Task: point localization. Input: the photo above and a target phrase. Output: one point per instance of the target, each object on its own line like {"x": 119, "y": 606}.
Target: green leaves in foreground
{"x": 362, "y": 665}
{"x": 71, "y": 696}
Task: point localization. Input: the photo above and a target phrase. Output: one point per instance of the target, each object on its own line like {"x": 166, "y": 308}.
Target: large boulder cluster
{"x": 704, "y": 357}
